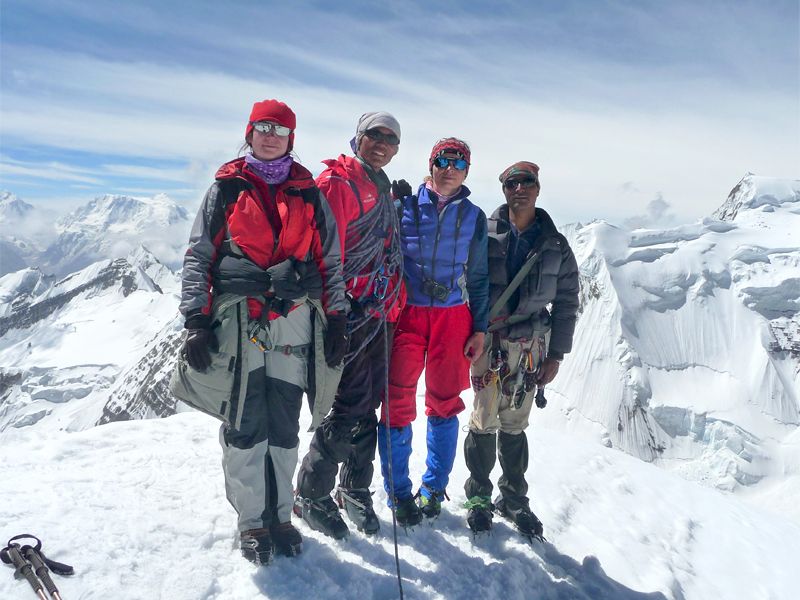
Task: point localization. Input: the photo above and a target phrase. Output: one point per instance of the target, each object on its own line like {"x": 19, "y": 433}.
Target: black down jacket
{"x": 548, "y": 297}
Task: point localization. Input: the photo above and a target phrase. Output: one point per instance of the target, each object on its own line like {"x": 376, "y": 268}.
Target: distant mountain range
{"x": 107, "y": 227}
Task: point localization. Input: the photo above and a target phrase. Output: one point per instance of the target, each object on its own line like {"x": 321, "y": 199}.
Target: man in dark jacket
{"x": 523, "y": 350}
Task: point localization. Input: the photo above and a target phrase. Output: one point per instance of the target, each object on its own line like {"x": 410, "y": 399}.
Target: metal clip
{"x": 380, "y": 285}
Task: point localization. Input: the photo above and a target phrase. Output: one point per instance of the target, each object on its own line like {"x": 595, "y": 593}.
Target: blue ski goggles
{"x": 458, "y": 163}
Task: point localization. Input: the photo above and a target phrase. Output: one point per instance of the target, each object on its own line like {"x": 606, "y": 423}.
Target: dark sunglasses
{"x": 267, "y": 128}
{"x": 379, "y": 136}
{"x": 458, "y": 163}
{"x": 525, "y": 182}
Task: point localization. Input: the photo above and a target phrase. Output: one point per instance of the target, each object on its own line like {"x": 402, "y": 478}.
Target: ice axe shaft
{"x": 23, "y": 569}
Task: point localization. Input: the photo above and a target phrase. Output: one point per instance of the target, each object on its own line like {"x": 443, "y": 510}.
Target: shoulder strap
{"x": 358, "y": 197}
{"x": 515, "y": 283}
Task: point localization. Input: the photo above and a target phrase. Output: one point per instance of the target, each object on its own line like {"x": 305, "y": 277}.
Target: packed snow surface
{"x": 139, "y": 509}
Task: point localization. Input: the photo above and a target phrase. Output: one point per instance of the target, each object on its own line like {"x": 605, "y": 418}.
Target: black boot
{"x": 479, "y": 513}
{"x": 287, "y": 540}
{"x": 257, "y": 546}
{"x": 358, "y": 506}
{"x": 525, "y": 521}
{"x": 407, "y": 512}
{"x": 513, "y": 502}
{"x": 322, "y": 515}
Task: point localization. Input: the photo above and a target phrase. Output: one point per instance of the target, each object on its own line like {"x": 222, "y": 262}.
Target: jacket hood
{"x": 299, "y": 176}
{"x": 345, "y": 167}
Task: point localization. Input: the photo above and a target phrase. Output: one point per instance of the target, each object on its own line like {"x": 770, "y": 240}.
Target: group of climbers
{"x": 347, "y": 288}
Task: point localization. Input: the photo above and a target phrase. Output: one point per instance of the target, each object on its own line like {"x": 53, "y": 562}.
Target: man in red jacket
{"x": 359, "y": 194}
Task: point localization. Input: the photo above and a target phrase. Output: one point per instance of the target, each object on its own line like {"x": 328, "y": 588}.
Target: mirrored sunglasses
{"x": 265, "y": 127}
{"x": 379, "y": 136}
{"x": 525, "y": 182}
{"x": 458, "y": 163}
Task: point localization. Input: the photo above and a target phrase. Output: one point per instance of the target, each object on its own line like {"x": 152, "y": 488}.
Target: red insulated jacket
{"x": 351, "y": 193}
{"x": 268, "y": 223}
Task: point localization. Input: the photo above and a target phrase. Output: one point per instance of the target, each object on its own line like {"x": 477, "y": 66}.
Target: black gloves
{"x": 401, "y": 189}
{"x": 336, "y": 339}
{"x": 198, "y": 346}
{"x": 310, "y": 278}
{"x": 289, "y": 279}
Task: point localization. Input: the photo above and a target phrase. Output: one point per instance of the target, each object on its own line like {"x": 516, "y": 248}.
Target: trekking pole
{"x": 11, "y": 555}
{"x": 389, "y": 456}
{"x": 41, "y": 570}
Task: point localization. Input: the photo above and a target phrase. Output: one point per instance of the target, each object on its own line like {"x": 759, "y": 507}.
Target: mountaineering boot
{"x": 407, "y": 512}
{"x": 527, "y": 523}
{"x": 257, "y": 546}
{"x": 286, "y": 539}
{"x": 322, "y": 515}
{"x": 479, "y": 514}
{"x": 430, "y": 502}
{"x": 358, "y": 506}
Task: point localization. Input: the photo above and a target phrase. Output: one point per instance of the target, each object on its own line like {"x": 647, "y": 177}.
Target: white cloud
{"x": 591, "y": 122}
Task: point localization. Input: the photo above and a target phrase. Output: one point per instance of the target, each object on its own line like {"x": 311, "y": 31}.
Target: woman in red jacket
{"x": 264, "y": 232}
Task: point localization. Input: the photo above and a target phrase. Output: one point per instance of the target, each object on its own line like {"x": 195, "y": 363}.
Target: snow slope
{"x": 138, "y": 507}
{"x": 63, "y": 343}
{"x": 687, "y": 349}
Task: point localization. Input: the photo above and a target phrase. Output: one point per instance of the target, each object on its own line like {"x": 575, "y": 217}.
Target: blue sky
{"x": 624, "y": 105}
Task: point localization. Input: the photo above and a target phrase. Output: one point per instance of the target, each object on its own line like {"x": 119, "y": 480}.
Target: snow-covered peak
{"x": 12, "y": 208}
{"x": 762, "y": 193}
{"x": 113, "y": 226}
{"x": 20, "y": 285}
{"x": 164, "y": 277}
{"x": 125, "y": 213}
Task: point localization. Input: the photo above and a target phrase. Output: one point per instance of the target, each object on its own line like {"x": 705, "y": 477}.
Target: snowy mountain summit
{"x": 12, "y": 208}
{"x": 759, "y": 193}
{"x": 687, "y": 350}
{"x": 23, "y": 232}
{"x": 124, "y": 214}
{"x": 111, "y": 226}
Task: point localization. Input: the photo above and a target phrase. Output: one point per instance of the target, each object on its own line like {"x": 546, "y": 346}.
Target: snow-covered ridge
{"x": 754, "y": 192}
{"x": 108, "y": 227}
{"x": 687, "y": 349}
{"x": 125, "y": 213}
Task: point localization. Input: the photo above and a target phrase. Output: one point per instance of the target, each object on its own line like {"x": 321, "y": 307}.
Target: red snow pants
{"x": 433, "y": 339}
